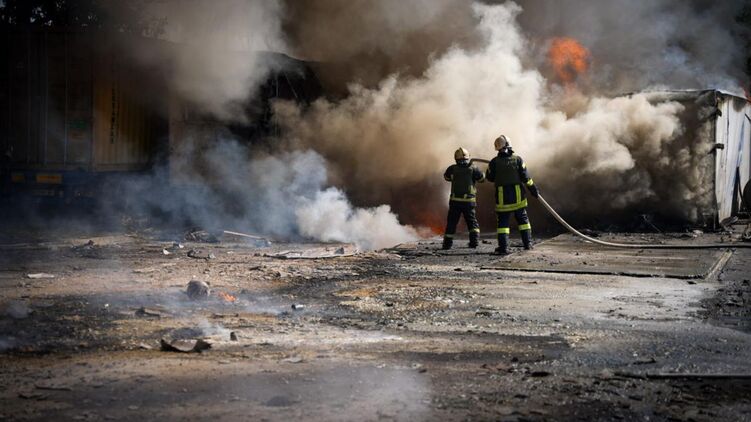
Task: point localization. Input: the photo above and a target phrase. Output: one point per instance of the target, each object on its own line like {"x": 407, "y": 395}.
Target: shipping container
{"x": 717, "y": 140}
{"x": 71, "y": 113}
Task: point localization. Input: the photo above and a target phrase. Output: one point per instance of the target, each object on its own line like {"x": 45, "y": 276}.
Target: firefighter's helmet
{"x": 461, "y": 154}
{"x": 502, "y": 142}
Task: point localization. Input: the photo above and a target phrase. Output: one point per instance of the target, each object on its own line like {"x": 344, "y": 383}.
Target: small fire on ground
{"x": 432, "y": 222}
{"x": 226, "y": 297}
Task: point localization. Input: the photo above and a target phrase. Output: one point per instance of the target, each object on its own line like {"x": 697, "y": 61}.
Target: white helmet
{"x": 501, "y": 142}
{"x": 461, "y": 154}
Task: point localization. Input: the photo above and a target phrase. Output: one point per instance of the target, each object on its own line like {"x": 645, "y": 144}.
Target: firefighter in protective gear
{"x": 509, "y": 173}
{"x": 463, "y": 177}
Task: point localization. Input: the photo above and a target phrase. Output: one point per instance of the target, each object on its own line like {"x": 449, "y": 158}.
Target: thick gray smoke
{"x": 590, "y": 152}
{"x": 209, "y": 54}
{"x": 415, "y": 80}
{"x": 637, "y": 45}
{"x": 225, "y": 186}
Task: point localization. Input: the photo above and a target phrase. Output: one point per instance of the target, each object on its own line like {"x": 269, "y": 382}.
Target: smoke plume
{"x": 413, "y": 81}
{"x": 590, "y": 152}
{"x": 209, "y": 55}
{"x": 226, "y": 186}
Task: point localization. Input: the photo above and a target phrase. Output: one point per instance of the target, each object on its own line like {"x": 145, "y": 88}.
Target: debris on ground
{"x": 297, "y": 306}
{"x": 85, "y": 247}
{"x": 198, "y": 290}
{"x": 318, "y": 253}
{"x": 233, "y": 336}
{"x": 38, "y": 276}
{"x": 199, "y": 254}
{"x": 172, "y": 249}
{"x": 146, "y": 312}
{"x": 52, "y": 387}
{"x": 201, "y": 236}
{"x": 184, "y": 346}
{"x": 258, "y": 241}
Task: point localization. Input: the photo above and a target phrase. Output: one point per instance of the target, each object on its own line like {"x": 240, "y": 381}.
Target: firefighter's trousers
{"x": 456, "y": 210}
{"x": 525, "y": 229}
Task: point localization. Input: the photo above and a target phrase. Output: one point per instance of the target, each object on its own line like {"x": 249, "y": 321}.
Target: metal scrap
{"x": 318, "y": 253}
{"x": 259, "y": 241}
{"x": 37, "y": 276}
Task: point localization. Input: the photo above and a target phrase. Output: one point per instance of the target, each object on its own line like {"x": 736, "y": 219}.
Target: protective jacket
{"x": 464, "y": 178}
{"x": 509, "y": 173}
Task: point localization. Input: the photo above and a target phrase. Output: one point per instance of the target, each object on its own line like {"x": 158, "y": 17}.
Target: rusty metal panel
{"x": 78, "y": 102}
{"x": 123, "y": 127}
{"x": 65, "y": 106}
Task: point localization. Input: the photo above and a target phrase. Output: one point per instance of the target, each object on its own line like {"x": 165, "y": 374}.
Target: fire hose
{"x": 571, "y": 229}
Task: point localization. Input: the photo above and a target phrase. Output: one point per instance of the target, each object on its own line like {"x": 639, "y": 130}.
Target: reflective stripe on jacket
{"x": 463, "y": 178}
{"x": 508, "y": 171}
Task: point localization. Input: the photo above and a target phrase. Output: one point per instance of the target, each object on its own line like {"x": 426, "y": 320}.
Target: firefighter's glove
{"x": 534, "y": 191}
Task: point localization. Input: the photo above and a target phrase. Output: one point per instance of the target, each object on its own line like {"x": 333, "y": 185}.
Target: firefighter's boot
{"x": 502, "y": 248}
{"x": 474, "y": 239}
{"x": 527, "y": 239}
{"x": 447, "y": 243}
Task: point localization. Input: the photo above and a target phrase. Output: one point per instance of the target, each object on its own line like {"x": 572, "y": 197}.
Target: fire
{"x": 569, "y": 59}
{"x": 227, "y": 297}
{"x": 431, "y": 221}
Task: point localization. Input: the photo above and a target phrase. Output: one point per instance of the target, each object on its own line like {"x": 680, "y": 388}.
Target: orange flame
{"x": 569, "y": 59}
{"x": 431, "y": 221}
{"x": 227, "y": 297}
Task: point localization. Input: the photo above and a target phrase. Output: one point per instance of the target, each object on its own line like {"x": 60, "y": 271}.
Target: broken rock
{"x": 182, "y": 346}
{"x": 198, "y": 290}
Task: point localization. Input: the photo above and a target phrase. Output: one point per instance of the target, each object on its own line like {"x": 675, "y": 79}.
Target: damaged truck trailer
{"x": 716, "y": 141}
{"x": 73, "y": 113}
